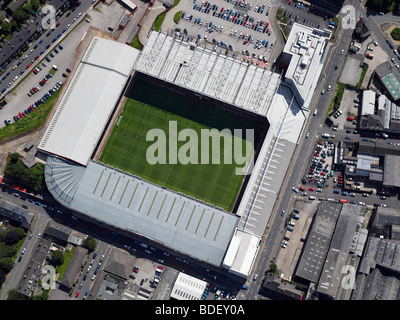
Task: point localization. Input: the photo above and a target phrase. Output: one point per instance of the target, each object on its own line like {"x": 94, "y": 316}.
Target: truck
{"x": 325, "y": 135}
{"x": 296, "y": 216}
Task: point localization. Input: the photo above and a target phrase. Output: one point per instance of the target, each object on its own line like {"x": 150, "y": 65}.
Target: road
{"x": 24, "y": 36}
{"x": 42, "y": 42}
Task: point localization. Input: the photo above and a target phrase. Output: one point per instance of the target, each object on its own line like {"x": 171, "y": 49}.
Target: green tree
{"x": 273, "y": 268}
{"x": 6, "y": 264}
{"x": 395, "y": 34}
{"x": 12, "y": 238}
{"x": 379, "y": 5}
{"x": 57, "y": 258}
{"x": 13, "y": 294}
{"x": 32, "y": 178}
{"x": 90, "y": 244}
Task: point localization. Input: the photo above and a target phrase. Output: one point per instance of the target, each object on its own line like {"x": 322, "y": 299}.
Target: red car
{"x": 27, "y": 66}
{"x": 302, "y": 189}
{"x": 245, "y": 41}
{"x": 311, "y": 189}
{"x": 77, "y": 294}
{"x": 311, "y": 179}
{"x": 323, "y": 173}
{"x": 20, "y": 114}
{"x": 35, "y": 71}
{"x": 37, "y": 57}
{"x": 344, "y": 201}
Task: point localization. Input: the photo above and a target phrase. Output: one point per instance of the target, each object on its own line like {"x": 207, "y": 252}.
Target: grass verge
{"x": 31, "y": 122}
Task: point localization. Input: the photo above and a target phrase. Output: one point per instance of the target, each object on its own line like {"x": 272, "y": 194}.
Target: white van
{"x": 312, "y": 198}
{"x": 291, "y": 223}
{"x": 315, "y": 112}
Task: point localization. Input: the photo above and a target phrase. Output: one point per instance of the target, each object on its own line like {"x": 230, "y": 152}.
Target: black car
{"x": 24, "y": 206}
{"x": 68, "y": 70}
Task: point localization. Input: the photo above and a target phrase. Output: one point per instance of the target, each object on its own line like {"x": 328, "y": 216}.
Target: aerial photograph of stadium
{"x": 193, "y": 150}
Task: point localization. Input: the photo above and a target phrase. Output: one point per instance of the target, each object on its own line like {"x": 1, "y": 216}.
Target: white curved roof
{"x": 174, "y": 220}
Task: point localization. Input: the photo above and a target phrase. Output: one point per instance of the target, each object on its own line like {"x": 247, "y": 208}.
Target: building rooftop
{"x": 188, "y": 288}
{"x": 174, "y": 220}
{"x": 318, "y": 241}
{"x": 368, "y": 102}
{"x": 84, "y": 115}
{"x": 208, "y": 73}
{"x": 305, "y": 46}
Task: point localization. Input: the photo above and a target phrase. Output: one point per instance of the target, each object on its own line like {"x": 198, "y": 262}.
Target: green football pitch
{"x": 127, "y": 149}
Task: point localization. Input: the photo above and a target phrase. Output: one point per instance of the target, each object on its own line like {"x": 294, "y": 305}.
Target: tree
{"x": 6, "y": 264}
{"x": 90, "y": 244}
{"x": 395, "y": 34}
{"x": 12, "y": 238}
{"x": 57, "y": 258}
{"x": 2, "y": 277}
{"x": 273, "y": 268}
{"x": 379, "y": 5}
{"x": 13, "y": 294}
{"x": 32, "y": 178}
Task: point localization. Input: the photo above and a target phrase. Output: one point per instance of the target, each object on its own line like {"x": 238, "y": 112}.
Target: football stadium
{"x": 97, "y": 146}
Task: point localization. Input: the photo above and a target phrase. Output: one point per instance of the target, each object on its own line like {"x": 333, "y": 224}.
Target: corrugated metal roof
{"x": 129, "y": 203}
{"x": 208, "y": 73}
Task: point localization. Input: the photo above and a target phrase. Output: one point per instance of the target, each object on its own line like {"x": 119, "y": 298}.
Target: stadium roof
{"x": 129, "y": 203}
{"x": 80, "y": 118}
{"x": 208, "y": 73}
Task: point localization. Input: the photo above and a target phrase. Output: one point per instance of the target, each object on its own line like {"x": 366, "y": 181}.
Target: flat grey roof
{"x": 316, "y": 247}
{"x": 391, "y": 168}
